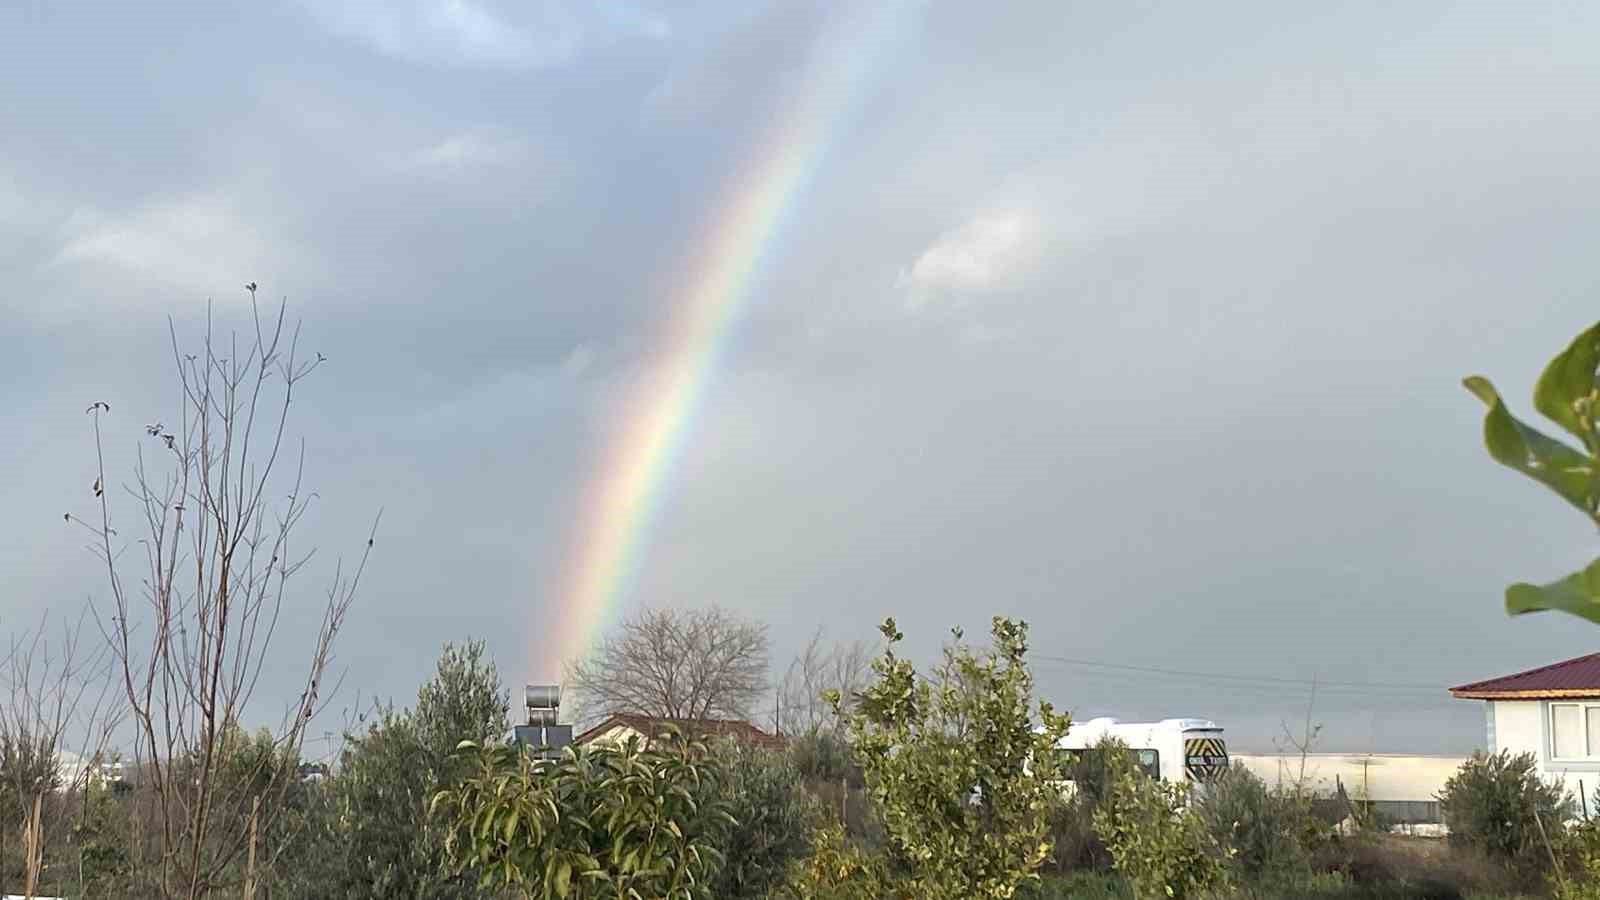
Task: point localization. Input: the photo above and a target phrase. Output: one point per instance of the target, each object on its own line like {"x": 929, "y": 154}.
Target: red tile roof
{"x": 1577, "y": 677}
{"x": 741, "y": 731}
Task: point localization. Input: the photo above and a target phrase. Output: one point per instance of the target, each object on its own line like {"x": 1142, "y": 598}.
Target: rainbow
{"x": 623, "y": 496}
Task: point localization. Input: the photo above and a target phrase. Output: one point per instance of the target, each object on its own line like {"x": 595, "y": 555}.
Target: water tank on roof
{"x": 543, "y": 702}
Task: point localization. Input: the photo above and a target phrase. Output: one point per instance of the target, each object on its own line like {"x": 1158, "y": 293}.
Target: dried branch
{"x": 677, "y": 664}
{"x": 192, "y": 635}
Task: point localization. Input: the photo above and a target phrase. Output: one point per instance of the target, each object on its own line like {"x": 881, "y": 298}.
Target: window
{"x": 1575, "y": 731}
{"x": 1145, "y": 761}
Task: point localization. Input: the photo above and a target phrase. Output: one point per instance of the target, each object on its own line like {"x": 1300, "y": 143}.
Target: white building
{"x": 1552, "y": 712}
{"x": 1404, "y": 788}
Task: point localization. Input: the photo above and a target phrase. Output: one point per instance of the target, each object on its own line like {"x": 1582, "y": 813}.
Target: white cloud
{"x": 202, "y": 243}
{"x": 447, "y": 32}
{"x": 991, "y": 251}
{"x": 524, "y": 35}
{"x": 465, "y": 151}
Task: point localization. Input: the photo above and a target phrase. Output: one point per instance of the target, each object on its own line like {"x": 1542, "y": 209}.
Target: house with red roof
{"x": 1552, "y": 712}
{"x": 619, "y": 728}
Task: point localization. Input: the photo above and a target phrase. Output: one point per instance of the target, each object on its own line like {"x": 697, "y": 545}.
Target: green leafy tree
{"x": 601, "y": 822}
{"x": 1568, "y": 394}
{"x": 959, "y": 775}
{"x": 1156, "y": 842}
{"x": 376, "y": 839}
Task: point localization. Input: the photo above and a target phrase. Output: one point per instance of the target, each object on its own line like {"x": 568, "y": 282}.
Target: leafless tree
{"x": 679, "y": 664}
{"x": 56, "y": 719}
{"x": 817, "y": 668}
{"x": 190, "y": 635}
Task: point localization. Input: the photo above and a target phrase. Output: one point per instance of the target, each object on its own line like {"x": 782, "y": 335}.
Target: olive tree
{"x": 1568, "y": 394}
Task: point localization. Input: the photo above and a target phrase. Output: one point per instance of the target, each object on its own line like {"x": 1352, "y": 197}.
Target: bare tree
{"x": 678, "y": 664}
{"x": 190, "y": 637}
{"x": 817, "y": 668}
{"x": 55, "y": 723}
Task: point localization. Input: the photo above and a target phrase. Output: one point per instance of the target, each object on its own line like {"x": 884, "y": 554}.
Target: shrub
{"x": 1496, "y": 803}
{"x": 602, "y": 822}
{"x": 1079, "y": 886}
{"x": 1160, "y": 846}
{"x": 1075, "y": 844}
{"x": 1272, "y": 833}
{"x": 821, "y": 755}
{"x": 1580, "y": 875}
{"x": 839, "y": 869}
{"x": 773, "y": 817}
{"x": 958, "y": 775}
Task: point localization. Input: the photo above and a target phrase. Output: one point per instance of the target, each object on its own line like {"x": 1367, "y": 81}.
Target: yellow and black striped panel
{"x": 1204, "y": 759}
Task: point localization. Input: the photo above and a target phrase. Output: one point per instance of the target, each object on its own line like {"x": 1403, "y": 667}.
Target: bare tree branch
{"x": 817, "y": 668}
{"x": 676, "y": 664}
{"x": 190, "y": 643}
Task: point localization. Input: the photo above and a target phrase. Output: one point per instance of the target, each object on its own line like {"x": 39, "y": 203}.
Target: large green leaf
{"x": 1578, "y": 593}
{"x": 1546, "y": 460}
{"x": 1567, "y": 384}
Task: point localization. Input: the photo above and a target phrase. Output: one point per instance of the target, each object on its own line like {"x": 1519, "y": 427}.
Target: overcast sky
{"x": 1143, "y": 322}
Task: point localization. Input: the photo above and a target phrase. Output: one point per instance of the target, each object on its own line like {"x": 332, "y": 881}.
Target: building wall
{"x": 1379, "y": 777}
{"x": 1523, "y": 726}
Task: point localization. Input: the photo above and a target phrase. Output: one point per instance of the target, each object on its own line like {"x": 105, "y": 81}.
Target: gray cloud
{"x": 1140, "y": 323}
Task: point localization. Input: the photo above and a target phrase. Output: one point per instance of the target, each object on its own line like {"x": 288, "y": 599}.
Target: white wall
{"x": 1370, "y": 776}
{"x": 1522, "y": 726}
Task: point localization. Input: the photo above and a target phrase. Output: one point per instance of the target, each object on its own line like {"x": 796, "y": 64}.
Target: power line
{"x": 1377, "y": 686}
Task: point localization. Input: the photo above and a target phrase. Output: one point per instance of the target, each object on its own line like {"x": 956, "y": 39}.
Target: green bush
{"x": 763, "y": 791}
{"x": 1579, "y": 878}
{"x": 1272, "y": 833}
{"x": 1091, "y": 772}
{"x": 1079, "y": 886}
{"x": 1496, "y": 804}
{"x": 822, "y": 755}
{"x": 958, "y": 775}
{"x": 602, "y": 822}
{"x": 1156, "y": 842}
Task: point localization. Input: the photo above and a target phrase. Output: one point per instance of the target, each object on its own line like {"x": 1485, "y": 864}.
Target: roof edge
{"x": 1479, "y": 685}
{"x": 1557, "y": 694}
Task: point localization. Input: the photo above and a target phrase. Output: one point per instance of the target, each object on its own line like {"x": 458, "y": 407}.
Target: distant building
{"x": 1403, "y": 789}
{"x": 617, "y": 729}
{"x": 1552, "y": 712}
{"x": 75, "y": 771}
{"x": 313, "y": 771}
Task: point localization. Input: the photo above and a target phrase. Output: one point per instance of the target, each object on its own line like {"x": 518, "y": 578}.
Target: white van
{"x": 1178, "y": 750}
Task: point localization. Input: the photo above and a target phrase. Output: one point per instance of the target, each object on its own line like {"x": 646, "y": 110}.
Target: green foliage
{"x": 1272, "y": 833}
{"x": 822, "y": 755}
{"x": 1091, "y": 773}
{"x": 1496, "y": 803}
{"x": 27, "y": 769}
{"x": 1080, "y": 886}
{"x": 764, "y": 792}
{"x": 100, "y": 834}
{"x": 1156, "y": 842}
{"x": 600, "y": 822}
{"x": 1568, "y": 393}
{"x": 1580, "y": 878}
{"x": 839, "y": 869}
{"x": 369, "y": 832}
{"x": 958, "y": 775}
